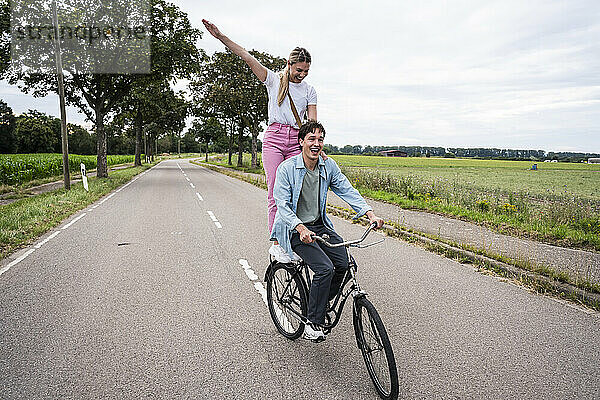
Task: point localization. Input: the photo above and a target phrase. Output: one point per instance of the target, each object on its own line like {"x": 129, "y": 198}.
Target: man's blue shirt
{"x": 286, "y": 191}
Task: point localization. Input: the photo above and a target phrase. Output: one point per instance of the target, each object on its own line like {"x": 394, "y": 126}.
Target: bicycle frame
{"x": 302, "y": 270}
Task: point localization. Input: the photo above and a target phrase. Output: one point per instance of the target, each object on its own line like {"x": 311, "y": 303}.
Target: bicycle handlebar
{"x": 325, "y": 238}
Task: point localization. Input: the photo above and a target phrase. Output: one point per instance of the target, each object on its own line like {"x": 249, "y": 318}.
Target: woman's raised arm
{"x": 259, "y": 70}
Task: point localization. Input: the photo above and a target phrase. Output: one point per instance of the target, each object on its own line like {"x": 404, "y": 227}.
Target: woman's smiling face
{"x": 298, "y": 71}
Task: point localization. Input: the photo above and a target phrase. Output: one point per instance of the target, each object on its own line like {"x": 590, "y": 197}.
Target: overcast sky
{"x": 507, "y": 74}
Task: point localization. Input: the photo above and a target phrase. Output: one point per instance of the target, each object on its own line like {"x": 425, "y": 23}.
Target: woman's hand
{"x": 212, "y": 29}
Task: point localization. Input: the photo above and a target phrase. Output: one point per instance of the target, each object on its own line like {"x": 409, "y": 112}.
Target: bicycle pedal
{"x": 319, "y": 340}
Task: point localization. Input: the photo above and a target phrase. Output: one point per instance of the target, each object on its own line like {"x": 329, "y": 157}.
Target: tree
{"x": 227, "y": 89}
{"x": 80, "y": 140}
{"x": 207, "y": 132}
{"x": 8, "y": 141}
{"x": 4, "y": 36}
{"x": 34, "y": 133}
{"x": 172, "y": 41}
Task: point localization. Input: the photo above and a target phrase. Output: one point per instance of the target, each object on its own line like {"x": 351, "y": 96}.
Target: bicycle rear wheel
{"x": 376, "y": 349}
{"x": 287, "y": 300}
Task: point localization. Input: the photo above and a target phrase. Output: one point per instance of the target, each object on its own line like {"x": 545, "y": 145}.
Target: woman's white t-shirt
{"x": 302, "y": 93}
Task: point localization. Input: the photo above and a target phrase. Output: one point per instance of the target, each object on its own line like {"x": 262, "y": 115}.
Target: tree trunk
{"x": 138, "y": 140}
{"x": 240, "y": 145}
{"x": 206, "y": 151}
{"x": 231, "y": 134}
{"x": 101, "y": 158}
{"x": 254, "y": 150}
{"x": 145, "y": 146}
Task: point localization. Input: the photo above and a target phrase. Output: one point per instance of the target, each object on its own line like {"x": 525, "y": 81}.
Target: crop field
{"x": 490, "y": 175}
{"x": 558, "y": 203}
{"x": 16, "y": 169}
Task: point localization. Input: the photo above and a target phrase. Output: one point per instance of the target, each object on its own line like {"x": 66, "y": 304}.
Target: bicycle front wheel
{"x": 287, "y": 300}
{"x": 376, "y": 349}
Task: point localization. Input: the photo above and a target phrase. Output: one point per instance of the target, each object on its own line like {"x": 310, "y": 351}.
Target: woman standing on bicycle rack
{"x": 290, "y": 100}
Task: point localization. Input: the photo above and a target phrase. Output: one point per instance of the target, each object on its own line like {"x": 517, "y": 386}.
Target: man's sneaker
{"x": 279, "y": 254}
{"x": 313, "y": 334}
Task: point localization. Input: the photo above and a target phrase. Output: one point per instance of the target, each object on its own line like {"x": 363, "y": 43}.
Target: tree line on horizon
{"x": 470, "y": 152}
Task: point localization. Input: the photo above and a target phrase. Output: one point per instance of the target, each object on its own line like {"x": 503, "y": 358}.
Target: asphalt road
{"x": 145, "y": 294}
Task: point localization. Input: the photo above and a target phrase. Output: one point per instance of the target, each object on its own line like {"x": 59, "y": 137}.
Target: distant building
{"x": 393, "y": 153}
{"x": 593, "y": 160}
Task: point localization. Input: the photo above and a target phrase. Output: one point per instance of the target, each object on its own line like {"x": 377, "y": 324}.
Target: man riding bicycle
{"x": 300, "y": 194}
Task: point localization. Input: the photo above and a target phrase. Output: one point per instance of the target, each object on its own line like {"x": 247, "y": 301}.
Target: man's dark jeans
{"x": 328, "y": 264}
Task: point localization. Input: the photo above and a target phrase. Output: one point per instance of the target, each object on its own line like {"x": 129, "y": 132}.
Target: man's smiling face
{"x": 312, "y": 144}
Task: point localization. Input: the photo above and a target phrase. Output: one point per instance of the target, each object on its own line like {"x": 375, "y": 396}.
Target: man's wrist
{"x": 300, "y": 227}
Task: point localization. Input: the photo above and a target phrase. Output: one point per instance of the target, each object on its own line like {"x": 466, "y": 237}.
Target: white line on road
{"x": 263, "y": 293}
{"x": 15, "y": 262}
{"x": 253, "y": 277}
{"x": 249, "y": 271}
{"x": 199, "y": 197}
{"x": 43, "y": 242}
{"x": 192, "y": 185}
{"x": 214, "y": 219}
{"x": 260, "y": 289}
{"x": 72, "y": 222}
{"x": 188, "y": 179}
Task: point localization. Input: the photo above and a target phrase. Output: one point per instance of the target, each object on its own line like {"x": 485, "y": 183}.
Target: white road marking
{"x": 214, "y": 219}
{"x": 187, "y": 178}
{"x": 72, "y": 222}
{"x": 106, "y": 198}
{"x": 260, "y": 289}
{"x": 249, "y": 272}
{"x": 263, "y": 293}
{"x": 43, "y": 242}
{"x": 192, "y": 185}
{"x": 212, "y": 216}
{"x": 199, "y": 197}
{"x": 15, "y": 262}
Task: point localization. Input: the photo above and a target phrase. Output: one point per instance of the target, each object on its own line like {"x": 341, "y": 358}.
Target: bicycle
{"x": 287, "y": 298}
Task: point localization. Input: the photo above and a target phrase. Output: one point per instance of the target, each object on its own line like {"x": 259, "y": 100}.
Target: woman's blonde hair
{"x": 299, "y": 54}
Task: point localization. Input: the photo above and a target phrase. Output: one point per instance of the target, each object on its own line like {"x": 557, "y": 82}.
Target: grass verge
{"x": 25, "y": 220}
{"x": 539, "y": 279}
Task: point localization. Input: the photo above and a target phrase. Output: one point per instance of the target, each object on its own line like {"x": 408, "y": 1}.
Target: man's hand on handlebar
{"x": 374, "y": 219}
{"x": 306, "y": 235}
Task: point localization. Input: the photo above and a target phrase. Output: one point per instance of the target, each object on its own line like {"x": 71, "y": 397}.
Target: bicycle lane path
{"x": 132, "y": 298}
{"x": 456, "y": 332}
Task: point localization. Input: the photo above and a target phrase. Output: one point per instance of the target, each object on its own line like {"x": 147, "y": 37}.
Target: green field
{"x": 559, "y": 203}
{"x": 581, "y": 180}
{"x": 16, "y": 169}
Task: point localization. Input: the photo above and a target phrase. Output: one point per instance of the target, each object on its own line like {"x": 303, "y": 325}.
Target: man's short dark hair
{"x": 309, "y": 127}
